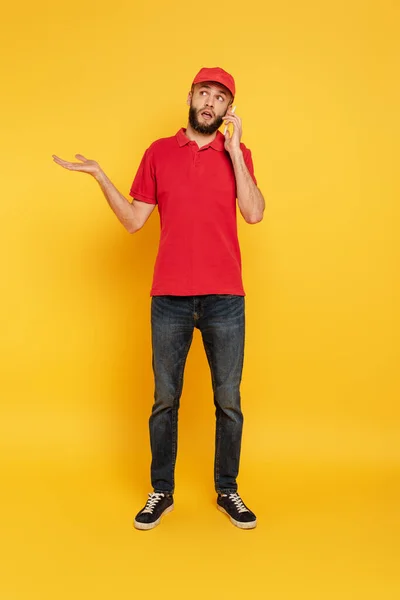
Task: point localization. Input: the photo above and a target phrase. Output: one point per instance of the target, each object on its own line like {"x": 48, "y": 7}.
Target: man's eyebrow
{"x": 209, "y": 87}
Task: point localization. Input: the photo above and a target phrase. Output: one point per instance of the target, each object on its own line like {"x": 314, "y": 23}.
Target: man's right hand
{"x": 86, "y": 166}
{"x": 132, "y": 215}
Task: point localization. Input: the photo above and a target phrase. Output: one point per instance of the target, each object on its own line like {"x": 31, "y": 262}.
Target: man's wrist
{"x": 236, "y": 154}
{"x": 99, "y": 175}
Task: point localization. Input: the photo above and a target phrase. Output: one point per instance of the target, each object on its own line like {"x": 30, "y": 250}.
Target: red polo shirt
{"x": 195, "y": 190}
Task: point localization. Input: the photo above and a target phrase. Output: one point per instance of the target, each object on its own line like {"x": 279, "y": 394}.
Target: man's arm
{"x": 132, "y": 215}
{"x": 250, "y": 199}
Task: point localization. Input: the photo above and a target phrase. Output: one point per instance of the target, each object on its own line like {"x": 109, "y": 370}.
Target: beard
{"x": 205, "y": 128}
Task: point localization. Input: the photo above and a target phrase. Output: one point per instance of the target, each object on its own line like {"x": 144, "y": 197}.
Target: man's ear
{"x": 189, "y": 98}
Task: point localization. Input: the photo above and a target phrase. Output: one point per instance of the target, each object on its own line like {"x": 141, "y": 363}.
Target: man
{"x": 195, "y": 178}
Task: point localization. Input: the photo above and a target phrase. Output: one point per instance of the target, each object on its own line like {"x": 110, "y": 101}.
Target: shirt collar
{"x": 218, "y": 142}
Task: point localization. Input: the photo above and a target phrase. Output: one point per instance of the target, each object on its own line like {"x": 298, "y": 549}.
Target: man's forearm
{"x": 250, "y": 199}
{"x": 123, "y": 209}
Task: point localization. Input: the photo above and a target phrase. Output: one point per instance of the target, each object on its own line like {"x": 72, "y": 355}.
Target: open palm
{"x": 86, "y": 166}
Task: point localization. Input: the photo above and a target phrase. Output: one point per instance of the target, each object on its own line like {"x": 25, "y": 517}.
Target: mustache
{"x": 206, "y": 109}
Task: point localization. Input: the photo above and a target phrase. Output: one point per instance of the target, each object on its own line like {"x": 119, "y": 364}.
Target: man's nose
{"x": 210, "y": 101}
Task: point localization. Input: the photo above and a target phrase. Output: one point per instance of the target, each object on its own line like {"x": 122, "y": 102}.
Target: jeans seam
{"x": 175, "y": 411}
{"x": 217, "y": 423}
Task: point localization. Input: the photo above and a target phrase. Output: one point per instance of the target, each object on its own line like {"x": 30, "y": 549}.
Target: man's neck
{"x": 201, "y": 139}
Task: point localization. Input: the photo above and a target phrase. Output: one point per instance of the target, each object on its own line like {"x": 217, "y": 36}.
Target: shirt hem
{"x": 196, "y": 292}
{"x": 142, "y": 198}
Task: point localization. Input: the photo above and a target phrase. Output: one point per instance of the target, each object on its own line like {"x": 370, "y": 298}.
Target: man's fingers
{"x": 227, "y": 122}
{"x": 73, "y": 166}
{"x": 232, "y": 118}
{"x": 61, "y": 161}
{"x": 58, "y": 160}
{"x": 66, "y": 164}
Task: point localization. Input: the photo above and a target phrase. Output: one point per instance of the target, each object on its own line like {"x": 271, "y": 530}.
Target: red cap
{"x": 216, "y": 74}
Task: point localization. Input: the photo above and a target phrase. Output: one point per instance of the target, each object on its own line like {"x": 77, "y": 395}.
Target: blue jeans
{"x": 221, "y": 320}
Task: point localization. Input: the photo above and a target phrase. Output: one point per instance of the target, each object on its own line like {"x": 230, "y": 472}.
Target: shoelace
{"x": 238, "y": 502}
{"x": 152, "y": 502}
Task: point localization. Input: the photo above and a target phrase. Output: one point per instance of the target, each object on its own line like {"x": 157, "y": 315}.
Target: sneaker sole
{"x": 249, "y": 525}
{"x": 139, "y": 525}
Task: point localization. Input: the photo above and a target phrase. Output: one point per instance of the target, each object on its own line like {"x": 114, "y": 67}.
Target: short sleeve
{"x": 249, "y": 162}
{"x": 144, "y": 185}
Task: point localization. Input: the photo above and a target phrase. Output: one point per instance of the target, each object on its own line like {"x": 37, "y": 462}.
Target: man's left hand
{"x": 232, "y": 143}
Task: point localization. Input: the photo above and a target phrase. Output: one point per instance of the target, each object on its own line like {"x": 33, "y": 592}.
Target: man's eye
{"x": 220, "y": 98}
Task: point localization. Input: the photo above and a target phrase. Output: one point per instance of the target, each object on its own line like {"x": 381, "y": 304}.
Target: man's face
{"x": 209, "y": 103}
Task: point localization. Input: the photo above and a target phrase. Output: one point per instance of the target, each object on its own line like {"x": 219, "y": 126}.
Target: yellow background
{"x": 318, "y": 93}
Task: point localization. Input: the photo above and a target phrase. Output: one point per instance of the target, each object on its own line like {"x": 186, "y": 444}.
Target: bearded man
{"x": 195, "y": 178}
